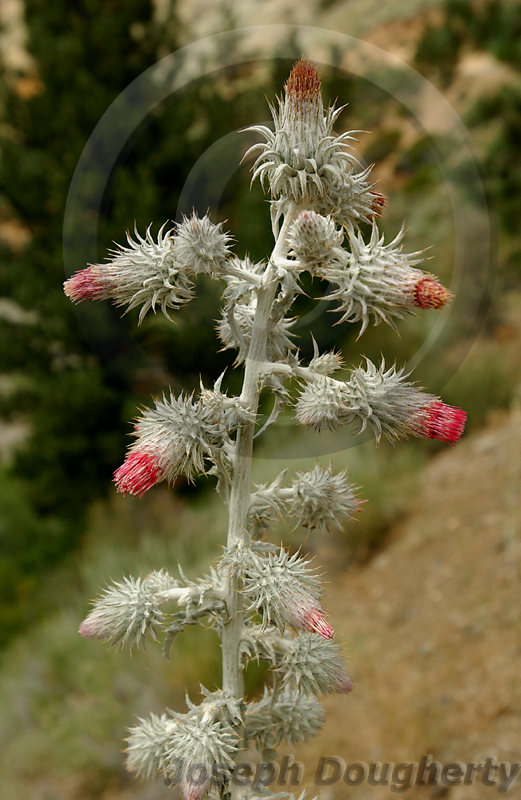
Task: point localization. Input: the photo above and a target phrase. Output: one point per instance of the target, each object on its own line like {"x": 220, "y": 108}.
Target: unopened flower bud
{"x": 283, "y": 716}
{"x": 127, "y": 611}
{"x": 314, "y": 666}
{"x": 384, "y": 400}
{"x": 323, "y": 500}
{"x": 201, "y": 246}
{"x": 286, "y": 592}
{"x": 147, "y": 745}
{"x": 199, "y": 748}
{"x": 315, "y": 240}
{"x": 326, "y": 363}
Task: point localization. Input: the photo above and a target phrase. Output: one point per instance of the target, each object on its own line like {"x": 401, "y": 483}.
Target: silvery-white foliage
{"x": 260, "y": 643}
{"x": 203, "y": 602}
{"x": 313, "y": 666}
{"x": 235, "y": 328}
{"x": 129, "y": 610}
{"x": 315, "y": 241}
{"x": 219, "y": 705}
{"x": 283, "y": 717}
{"x": 231, "y": 411}
{"x": 325, "y": 364}
{"x": 266, "y": 503}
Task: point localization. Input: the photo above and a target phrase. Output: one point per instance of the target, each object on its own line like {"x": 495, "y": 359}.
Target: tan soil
{"x": 432, "y": 626}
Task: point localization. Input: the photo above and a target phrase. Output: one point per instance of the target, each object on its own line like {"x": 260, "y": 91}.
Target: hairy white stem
{"x": 240, "y": 494}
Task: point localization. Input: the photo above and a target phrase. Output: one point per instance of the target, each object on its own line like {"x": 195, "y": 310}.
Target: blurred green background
{"x": 66, "y": 403}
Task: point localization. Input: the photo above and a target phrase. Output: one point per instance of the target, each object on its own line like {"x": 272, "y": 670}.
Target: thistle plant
{"x": 264, "y": 602}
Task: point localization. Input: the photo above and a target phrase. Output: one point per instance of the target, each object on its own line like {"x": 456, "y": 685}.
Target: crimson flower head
{"x": 440, "y": 421}
{"x": 155, "y": 273}
{"x": 428, "y": 293}
{"x": 138, "y": 473}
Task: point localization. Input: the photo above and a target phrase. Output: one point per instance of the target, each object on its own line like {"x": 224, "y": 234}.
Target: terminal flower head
{"x": 302, "y": 159}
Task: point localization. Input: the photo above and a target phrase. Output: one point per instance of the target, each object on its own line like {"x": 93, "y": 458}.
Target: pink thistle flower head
{"x": 382, "y": 399}
{"x": 87, "y": 285}
{"x": 176, "y": 436}
{"x": 138, "y": 473}
{"x": 314, "y": 621}
{"x": 443, "y": 422}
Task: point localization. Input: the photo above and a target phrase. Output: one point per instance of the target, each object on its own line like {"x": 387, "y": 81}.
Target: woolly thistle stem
{"x": 240, "y": 494}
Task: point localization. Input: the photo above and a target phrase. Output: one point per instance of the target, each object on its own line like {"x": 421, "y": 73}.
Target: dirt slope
{"x": 432, "y": 626}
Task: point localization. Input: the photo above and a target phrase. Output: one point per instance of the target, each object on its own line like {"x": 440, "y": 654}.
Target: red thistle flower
{"x": 440, "y": 421}
{"x": 86, "y": 285}
{"x": 303, "y": 84}
{"x": 138, "y": 473}
{"x": 315, "y": 622}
